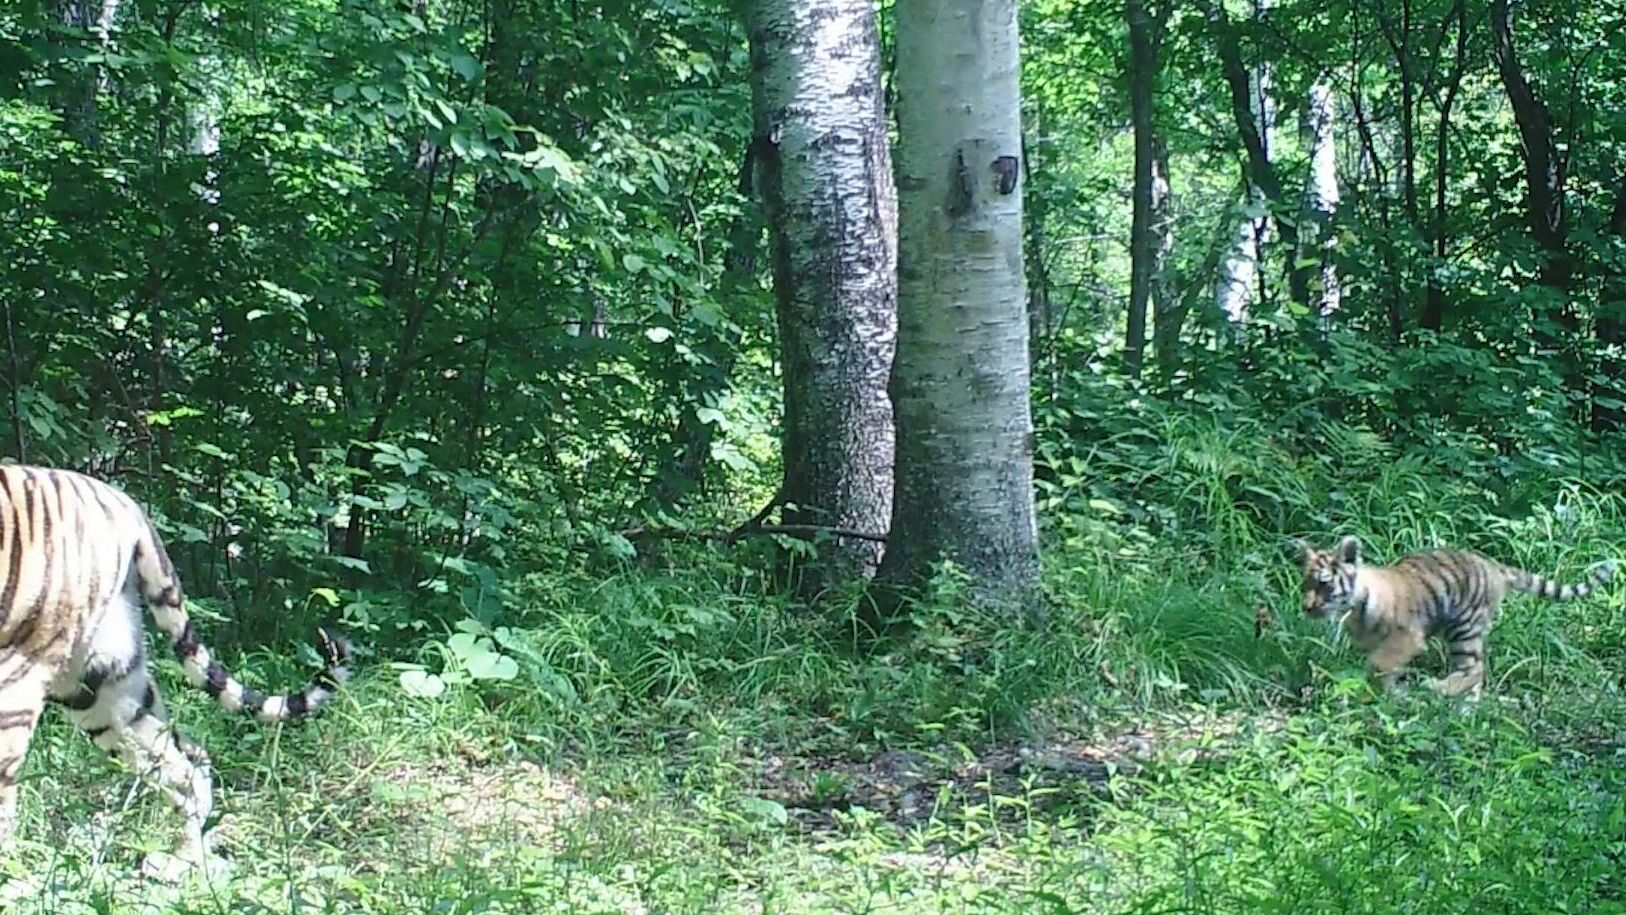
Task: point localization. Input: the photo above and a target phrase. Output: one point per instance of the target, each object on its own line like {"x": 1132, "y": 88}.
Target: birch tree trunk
{"x": 79, "y": 94}
{"x": 1254, "y": 110}
{"x": 1609, "y": 395}
{"x": 960, "y": 383}
{"x": 825, "y": 164}
{"x": 1321, "y": 196}
{"x": 1238, "y": 279}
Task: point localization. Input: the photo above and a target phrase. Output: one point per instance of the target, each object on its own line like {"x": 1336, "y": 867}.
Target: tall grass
{"x": 663, "y": 725}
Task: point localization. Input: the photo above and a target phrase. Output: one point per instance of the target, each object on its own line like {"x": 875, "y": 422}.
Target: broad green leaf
{"x": 490, "y": 665}
{"x": 421, "y": 684}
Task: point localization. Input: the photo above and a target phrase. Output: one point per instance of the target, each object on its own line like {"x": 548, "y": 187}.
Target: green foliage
{"x": 707, "y": 746}
{"x": 415, "y": 323}
{"x": 468, "y": 302}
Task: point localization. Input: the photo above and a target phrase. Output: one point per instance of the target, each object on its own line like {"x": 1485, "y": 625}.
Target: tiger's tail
{"x": 155, "y": 577}
{"x": 1531, "y": 583}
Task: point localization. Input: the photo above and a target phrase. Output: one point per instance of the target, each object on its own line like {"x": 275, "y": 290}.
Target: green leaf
{"x": 351, "y": 562}
{"x": 327, "y": 594}
{"x": 464, "y": 644}
{"x": 762, "y": 809}
{"x": 634, "y": 263}
{"x": 658, "y": 334}
{"x": 420, "y": 684}
{"x": 490, "y": 665}
{"x": 465, "y": 65}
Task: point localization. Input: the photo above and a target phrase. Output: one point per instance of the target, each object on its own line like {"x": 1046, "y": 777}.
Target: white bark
{"x": 1238, "y": 284}
{"x": 1168, "y": 311}
{"x": 203, "y": 114}
{"x": 203, "y": 120}
{"x": 1239, "y": 267}
{"x": 825, "y": 163}
{"x": 960, "y": 382}
{"x": 1321, "y": 191}
{"x": 97, "y": 18}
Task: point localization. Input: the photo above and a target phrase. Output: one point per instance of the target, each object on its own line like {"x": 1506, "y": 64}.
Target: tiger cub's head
{"x": 1329, "y": 576}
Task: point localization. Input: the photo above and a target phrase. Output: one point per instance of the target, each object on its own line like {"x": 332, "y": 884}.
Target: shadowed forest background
{"x": 546, "y": 348}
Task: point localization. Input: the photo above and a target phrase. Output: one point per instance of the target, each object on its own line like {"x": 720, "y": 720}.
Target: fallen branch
{"x": 645, "y": 533}
{"x": 755, "y": 521}
{"x": 814, "y": 529}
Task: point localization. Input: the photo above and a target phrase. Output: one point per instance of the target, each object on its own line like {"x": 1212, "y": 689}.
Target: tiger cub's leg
{"x": 23, "y": 683}
{"x": 1467, "y": 668}
{"x": 1392, "y": 655}
{"x": 1464, "y": 635}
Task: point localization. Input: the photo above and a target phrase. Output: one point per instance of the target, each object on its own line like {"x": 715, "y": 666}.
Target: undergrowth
{"x": 671, "y": 736}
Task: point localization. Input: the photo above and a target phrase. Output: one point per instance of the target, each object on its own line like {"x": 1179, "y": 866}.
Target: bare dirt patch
{"x": 909, "y": 787}
{"x": 505, "y": 806}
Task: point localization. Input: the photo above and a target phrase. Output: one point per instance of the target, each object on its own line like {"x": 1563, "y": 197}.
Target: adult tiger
{"x": 1390, "y": 611}
{"x": 78, "y": 558}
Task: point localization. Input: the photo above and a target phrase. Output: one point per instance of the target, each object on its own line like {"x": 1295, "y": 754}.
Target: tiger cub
{"x": 77, "y": 559}
{"x": 1389, "y": 611}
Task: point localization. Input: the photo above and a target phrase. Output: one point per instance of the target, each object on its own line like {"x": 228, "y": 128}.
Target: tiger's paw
{"x": 1461, "y": 690}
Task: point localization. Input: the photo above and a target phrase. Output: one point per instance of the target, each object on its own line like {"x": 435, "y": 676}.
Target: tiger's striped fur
{"x": 1390, "y": 611}
{"x": 77, "y": 559}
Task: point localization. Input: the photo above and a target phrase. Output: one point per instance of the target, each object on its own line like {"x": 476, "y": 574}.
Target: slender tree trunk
{"x": 1237, "y": 280}
{"x": 1321, "y": 197}
{"x": 81, "y": 88}
{"x": 1168, "y": 309}
{"x": 1254, "y": 112}
{"x": 1544, "y": 167}
{"x": 1609, "y": 397}
{"x": 960, "y": 383}
{"x": 1545, "y": 188}
{"x": 1142, "y": 244}
{"x": 1372, "y": 165}
{"x": 1040, "y": 305}
{"x": 826, "y": 171}
{"x": 1399, "y": 39}
{"x": 14, "y": 378}
{"x": 1433, "y": 316}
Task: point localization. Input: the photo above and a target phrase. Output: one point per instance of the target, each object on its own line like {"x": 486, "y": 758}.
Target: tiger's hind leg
{"x": 23, "y": 684}
{"x": 113, "y": 699}
{"x": 122, "y": 713}
{"x": 1465, "y": 641}
{"x": 1467, "y": 674}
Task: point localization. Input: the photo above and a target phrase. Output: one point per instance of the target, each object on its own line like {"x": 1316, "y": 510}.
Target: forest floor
{"x": 1167, "y": 760}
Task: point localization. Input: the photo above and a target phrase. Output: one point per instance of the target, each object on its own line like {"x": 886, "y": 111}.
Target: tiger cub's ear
{"x": 1349, "y": 550}
{"x": 1296, "y": 549}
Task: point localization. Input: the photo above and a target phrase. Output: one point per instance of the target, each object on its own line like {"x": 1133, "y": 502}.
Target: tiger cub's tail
{"x": 1531, "y": 583}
